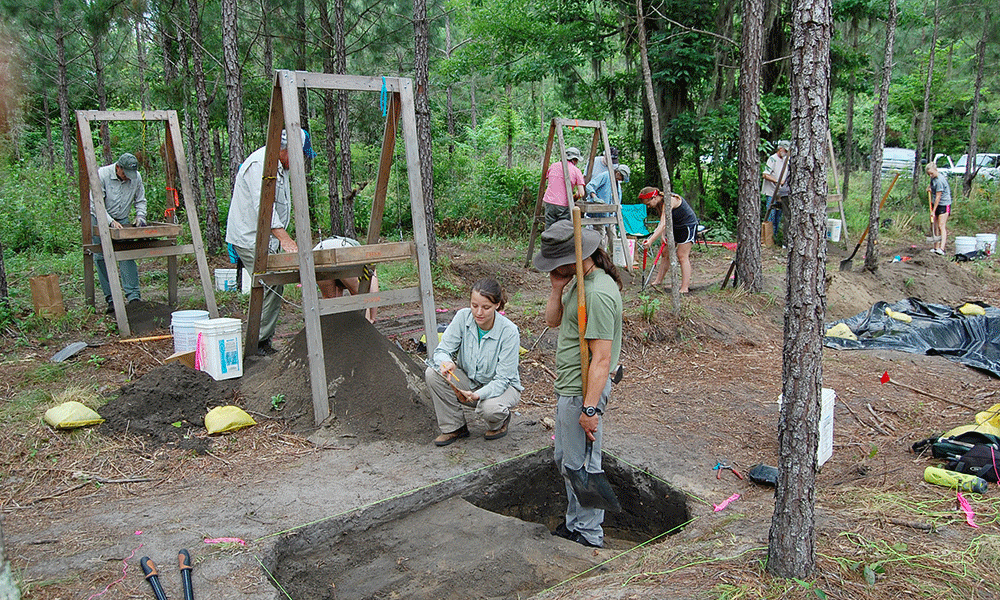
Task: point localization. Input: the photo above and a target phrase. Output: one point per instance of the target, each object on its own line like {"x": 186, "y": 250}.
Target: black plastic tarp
{"x": 935, "y": 329}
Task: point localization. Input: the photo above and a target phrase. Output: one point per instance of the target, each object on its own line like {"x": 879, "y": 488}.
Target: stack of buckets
{"x": 217, "y": 343}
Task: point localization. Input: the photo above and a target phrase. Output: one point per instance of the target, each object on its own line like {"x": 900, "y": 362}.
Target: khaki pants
{"x": 449, "y": 411}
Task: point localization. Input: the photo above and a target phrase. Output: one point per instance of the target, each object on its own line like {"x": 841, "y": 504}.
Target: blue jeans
{"x": 128, "y": 272}
{"x": 773, "y": 213}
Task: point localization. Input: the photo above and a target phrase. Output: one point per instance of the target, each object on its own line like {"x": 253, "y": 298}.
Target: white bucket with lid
{"x": 964, "y": 244}
{"x": 220, "y": 347}
{"x": 182, "y": 326}
{"x": 986, "y": 242}
{"x": 833, "y": 227}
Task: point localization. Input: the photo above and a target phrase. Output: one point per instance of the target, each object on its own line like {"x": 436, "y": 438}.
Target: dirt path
{"x": 698, "y": 390}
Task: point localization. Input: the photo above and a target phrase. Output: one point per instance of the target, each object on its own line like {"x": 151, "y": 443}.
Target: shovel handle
{"x": 880, "y": 205}
{"x": 581, "y": 299}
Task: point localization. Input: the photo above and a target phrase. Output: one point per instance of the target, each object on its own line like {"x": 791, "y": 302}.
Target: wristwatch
{"x": 590, "y": 411}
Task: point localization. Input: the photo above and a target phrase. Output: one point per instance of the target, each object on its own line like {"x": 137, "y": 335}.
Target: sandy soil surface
{"x": 366, "y": 506}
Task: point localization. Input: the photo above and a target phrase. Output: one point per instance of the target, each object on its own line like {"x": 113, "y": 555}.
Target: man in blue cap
{"x": 123, "y": 190}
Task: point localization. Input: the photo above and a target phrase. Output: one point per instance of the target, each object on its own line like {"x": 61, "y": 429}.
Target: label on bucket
{"x": 229, "y": 352}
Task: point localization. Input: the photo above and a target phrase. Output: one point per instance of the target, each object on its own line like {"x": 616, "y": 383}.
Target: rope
{"x": 384, "y": 99}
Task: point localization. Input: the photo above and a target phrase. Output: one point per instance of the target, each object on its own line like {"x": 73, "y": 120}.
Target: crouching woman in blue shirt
{"x": 476, "y": 365}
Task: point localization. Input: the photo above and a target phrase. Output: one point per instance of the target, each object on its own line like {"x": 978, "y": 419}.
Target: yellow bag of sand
{"x": 227, "y": 418}
{"x": 990, "y": 416}
{"x": 70, "y": 415}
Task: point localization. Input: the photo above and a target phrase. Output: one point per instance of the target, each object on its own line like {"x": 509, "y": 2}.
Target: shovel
{"x": 934, "y": 237}
{"x": 845, "y": 265}
{"x": 592, "y": 489}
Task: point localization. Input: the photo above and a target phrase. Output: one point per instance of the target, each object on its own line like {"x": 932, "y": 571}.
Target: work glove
{"x": 140, "y": 221}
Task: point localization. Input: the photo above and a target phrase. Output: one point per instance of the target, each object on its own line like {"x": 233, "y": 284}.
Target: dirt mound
{"x": 376, "y": 390}
{"x": 165, "y": 405}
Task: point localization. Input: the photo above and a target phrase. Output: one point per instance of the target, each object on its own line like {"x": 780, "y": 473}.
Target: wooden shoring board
{"x": 303, "y": 266}
{"x": 135, "y": 248}
{"x": 600, "y": 138}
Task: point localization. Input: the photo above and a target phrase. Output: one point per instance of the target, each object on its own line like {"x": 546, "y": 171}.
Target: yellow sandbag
{"x": 71, "y": 414}
{"x": 978, "y": 428}
{"x": 227, "y": 418}
{"x": 903, "y": 317}
{"x": 990, "y": 416}
{"x": 972, "y": 309}
{"x": 841, "y": 330}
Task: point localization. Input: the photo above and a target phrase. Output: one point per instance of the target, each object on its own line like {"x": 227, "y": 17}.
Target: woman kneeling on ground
{"x": 685, "y": 225}
{"x": 476, "y": 365}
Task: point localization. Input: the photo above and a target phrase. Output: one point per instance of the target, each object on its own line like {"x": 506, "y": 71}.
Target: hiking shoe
{"x": 579, "y": 539}
{"x": 498, "y": 433}
{"x": 264, "y": 348}
{"x": 446, "y": 438}
{"x": 564, "y": 532}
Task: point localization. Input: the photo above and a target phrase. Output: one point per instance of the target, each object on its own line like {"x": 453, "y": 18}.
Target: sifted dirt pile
{"x": 376, "y": 390}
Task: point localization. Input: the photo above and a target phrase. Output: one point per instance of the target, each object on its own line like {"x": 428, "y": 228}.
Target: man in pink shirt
{"x": 556, "y": 204}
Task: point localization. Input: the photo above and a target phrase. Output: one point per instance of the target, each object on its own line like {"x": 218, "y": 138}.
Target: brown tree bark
{"x": 925, "y": 116}
{"x": 234, "y": 88}
{"x": 140, "y": 53}
{"x": 344, "y": 123}
{"x": 878, "y": 140}
{"x": 421, "y": 67}
{"x": 194, "y": 166}
{"x": 792, "y": 538}
{"x": 849, "y": 133}
{"x": 661, "y": 161}
{"x": 62, "y": 66}
{"x": 748, "y": 267}
{"x": 212, "y": 230}
{"x": 330, "y": 119}
{"x": 102, "y": 97}
{"x": 971, "y": 167}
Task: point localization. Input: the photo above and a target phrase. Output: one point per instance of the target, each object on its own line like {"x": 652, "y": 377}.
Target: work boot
{"x": 264, "y": 348}
{"x": 446, "y": 438}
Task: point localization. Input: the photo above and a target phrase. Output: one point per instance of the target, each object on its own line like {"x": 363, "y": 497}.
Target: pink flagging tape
{"x": 225, "y": 541}
{"x": 197, "y": 353}
{"x": 124, "y": 572}
{"x": 726, "y": 502}
{"x": 969, "y": 514}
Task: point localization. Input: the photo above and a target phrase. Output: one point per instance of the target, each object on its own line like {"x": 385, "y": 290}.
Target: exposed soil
{"x": 368, "y": 489}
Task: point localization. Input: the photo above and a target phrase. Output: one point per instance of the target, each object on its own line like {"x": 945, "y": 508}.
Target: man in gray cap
{"x": 556, "y": 204}
{"x": 775, "y": 175}
{"x": 241, "y": 229}
{"x": 123, "y": 189}
{"x": 579, "y": 412}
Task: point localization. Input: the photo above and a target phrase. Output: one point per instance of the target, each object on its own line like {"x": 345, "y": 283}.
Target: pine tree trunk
{"x": 234, "y": 87}
{"x": 102, "y": 99}
{"x": 748, "y": 267}
{"x": 925, "y": 116}
{"x": 50, "y": 157}
{"x": 8, "y": 583}
{"x": 212, "y": 231}
{"x": 62, "y": 66}
{"x": 670, "y": 252}
{"x": 849, "y": 133}
{"x": 878, "y": 140}
{"x": 140, "y": 53}
{"x": 792, "y": 538}
{"x": 972, "y": 166}
{"x": 421, "y": 67}
{"x": 344, "y": 126}
{"x": 194, "y": 166}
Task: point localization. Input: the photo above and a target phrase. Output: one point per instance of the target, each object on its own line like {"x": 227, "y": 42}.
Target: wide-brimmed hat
{"x": 573, "y": 153}
{"x": 625, "y": 171}
{"x": 558, "y": 248}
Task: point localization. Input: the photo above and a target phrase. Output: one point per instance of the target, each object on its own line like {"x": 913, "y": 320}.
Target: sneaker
{"x": 110, "y": 310}
{"x": 264, "y": 348}
{"x": 938, "y": 251}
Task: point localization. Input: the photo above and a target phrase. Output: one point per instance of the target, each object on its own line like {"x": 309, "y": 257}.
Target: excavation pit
{"x": 484, "y": 535}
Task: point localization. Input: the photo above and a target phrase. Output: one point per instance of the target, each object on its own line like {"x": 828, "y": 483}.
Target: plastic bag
{"x": 70, "y": 415}
{"x": 227, "y": 418}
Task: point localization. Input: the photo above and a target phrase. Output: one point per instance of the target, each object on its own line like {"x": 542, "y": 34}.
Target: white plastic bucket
{"x": 246, "y": 281}
{"x": 986, "y": 242}
{"x": 220, "y": 347}
{"x": 182, "y": 326}
{"x": 225, "y": 279}
{"x": 833, "y": 230}
{"x": 964, "y": 244}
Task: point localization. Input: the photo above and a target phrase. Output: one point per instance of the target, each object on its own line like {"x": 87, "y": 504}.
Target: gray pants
{"x": 128, "y": 272}
{"x": 272, "y": 297}
{"x": 449, "y": 411}
{"x": 571, "y": 453}
{"x": 555, "y": 213}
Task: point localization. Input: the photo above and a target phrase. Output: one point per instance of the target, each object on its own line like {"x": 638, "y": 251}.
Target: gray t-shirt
{"x": 940, "y": 184}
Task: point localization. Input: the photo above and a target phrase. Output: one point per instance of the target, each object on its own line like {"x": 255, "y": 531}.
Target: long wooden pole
{"x": 581, "y": 299}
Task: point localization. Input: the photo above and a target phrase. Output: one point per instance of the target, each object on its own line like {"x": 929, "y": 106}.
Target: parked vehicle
{"x": 987, "y": 163}
{"x": 898, "y": 159}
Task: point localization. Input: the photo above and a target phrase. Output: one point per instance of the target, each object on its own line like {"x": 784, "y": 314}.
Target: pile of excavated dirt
{"x": 166, "y": 406}
{"x": 376, "y": 390}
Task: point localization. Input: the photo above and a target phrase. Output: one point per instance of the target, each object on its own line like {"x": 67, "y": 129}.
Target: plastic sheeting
{"x": 935, "y": 329}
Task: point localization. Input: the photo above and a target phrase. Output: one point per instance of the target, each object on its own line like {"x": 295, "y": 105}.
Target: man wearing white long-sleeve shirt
{"x": 123, "y": 189}
{"x": 241, "y": 228}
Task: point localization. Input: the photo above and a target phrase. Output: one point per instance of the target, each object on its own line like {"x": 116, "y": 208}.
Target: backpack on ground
{"x": 981, "y": 461}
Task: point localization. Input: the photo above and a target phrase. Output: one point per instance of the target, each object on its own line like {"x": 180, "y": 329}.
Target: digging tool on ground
{"x": 652, "y": 269}
{"x": 184, "y": 561}
{"x": 593, "y": 490}
{"x": 149, "y": 570}
{"x": 935, "y": 235}
{"x": 845, "y": 265}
